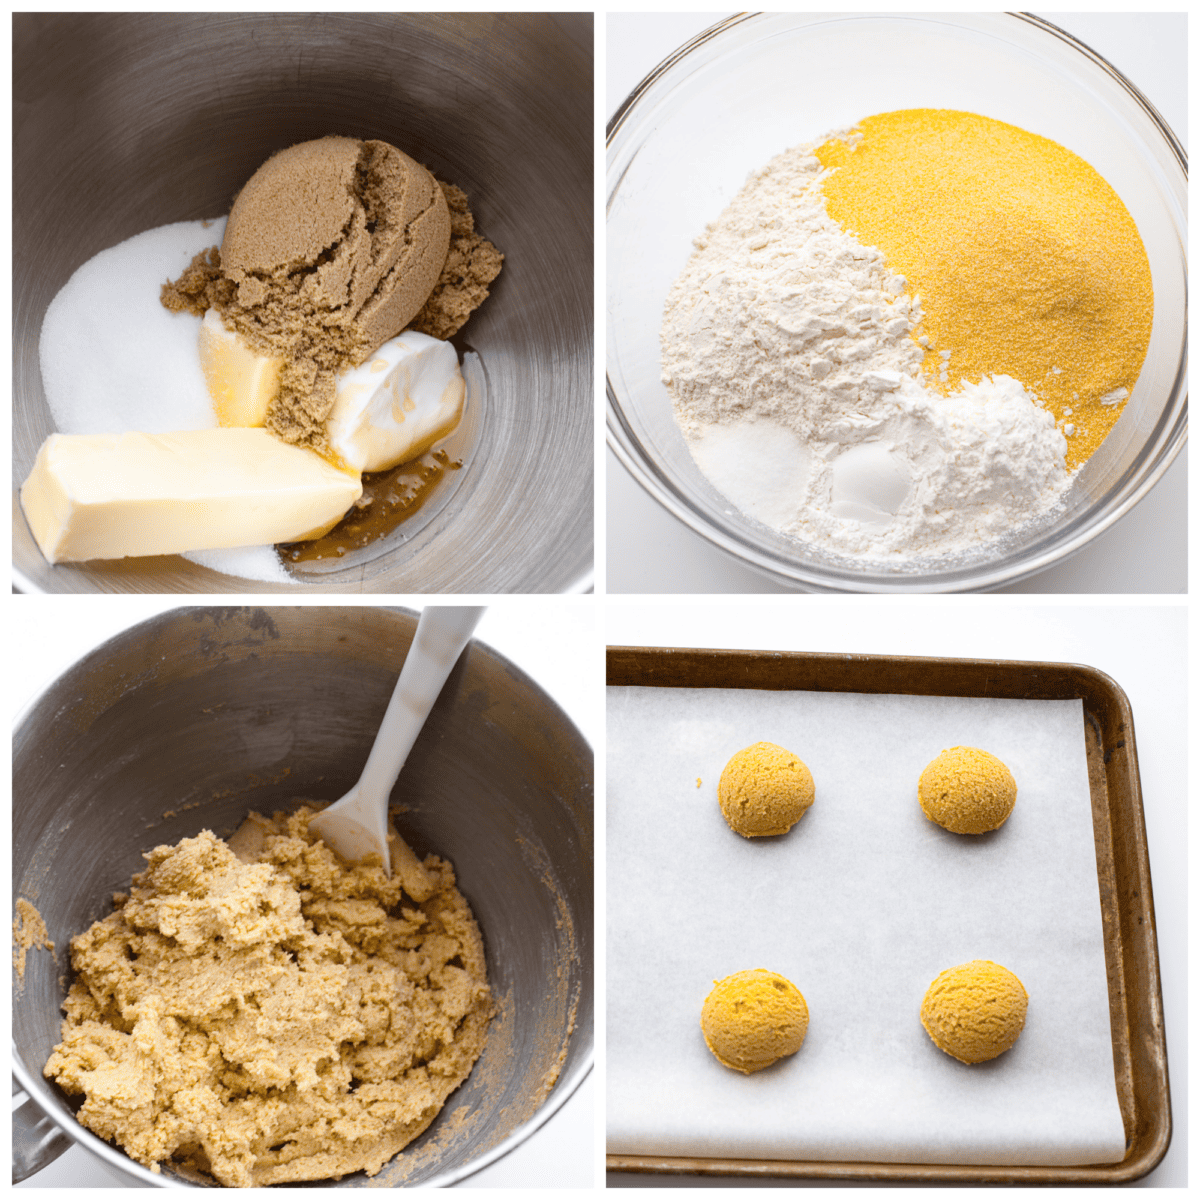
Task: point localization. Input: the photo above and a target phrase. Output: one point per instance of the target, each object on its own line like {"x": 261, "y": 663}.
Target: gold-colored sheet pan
{"x": 1122, "y": 864}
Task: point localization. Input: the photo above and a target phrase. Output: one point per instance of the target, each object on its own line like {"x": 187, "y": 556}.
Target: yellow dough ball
{"x": 966, "y": 790}
{"x": 752, "y": 1019}
{"x": 975, "y": 1011}
{"x": 764, "y": 790}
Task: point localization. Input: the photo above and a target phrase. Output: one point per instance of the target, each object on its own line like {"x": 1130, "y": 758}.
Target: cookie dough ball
{"x": 966, "y": 790}
{"x": 764, "y": 790}
{"x": 975, "y": 1011}
{"x": 752, "y": 1019}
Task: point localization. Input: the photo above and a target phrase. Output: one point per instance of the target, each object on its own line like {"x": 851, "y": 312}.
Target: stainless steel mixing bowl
{"x": 189, "y": 720}
{"x": 123, "y": 122}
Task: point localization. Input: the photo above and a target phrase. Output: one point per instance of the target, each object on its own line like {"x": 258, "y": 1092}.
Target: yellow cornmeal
{"x": 1026, "y": 262}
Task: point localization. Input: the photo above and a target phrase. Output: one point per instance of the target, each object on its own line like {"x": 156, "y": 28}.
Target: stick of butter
{"x": 387, "y": 411}
{"x": 119, "y": 495}
{"x": 242, "y": 383}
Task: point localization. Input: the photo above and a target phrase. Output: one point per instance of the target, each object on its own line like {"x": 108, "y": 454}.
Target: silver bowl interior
{"x": 123, "y": 122}
{"x": 193, "y": 718}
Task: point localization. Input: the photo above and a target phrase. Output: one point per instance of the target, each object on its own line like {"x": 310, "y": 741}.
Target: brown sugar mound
{"x": 471, "y": 265}
{"x": 333, "y": 247}
{"x": 349, "y": 234}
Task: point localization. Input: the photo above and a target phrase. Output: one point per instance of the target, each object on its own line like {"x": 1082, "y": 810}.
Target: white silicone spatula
{"x": 357, "y": 824}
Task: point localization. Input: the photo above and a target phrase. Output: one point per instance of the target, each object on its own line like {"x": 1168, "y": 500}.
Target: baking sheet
{"x": 860, "y": 905}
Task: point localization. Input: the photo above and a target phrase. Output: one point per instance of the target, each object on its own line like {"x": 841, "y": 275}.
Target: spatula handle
{"x": 442, "y": 632}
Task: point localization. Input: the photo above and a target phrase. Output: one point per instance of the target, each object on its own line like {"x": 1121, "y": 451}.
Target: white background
{"x": 1144, "y": 648}
{"x": 648, "y": 550}
{"x": 552, "y": 640}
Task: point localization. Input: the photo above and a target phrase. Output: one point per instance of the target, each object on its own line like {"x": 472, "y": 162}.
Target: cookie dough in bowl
{"x": 189, "y": 721}
{"x": 262, "y": 1012}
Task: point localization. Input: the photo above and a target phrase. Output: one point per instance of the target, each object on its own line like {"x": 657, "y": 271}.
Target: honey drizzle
{"x": 389, "y": 499}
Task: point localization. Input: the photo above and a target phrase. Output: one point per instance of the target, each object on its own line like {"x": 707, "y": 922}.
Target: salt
{"x": 760, "y": 465}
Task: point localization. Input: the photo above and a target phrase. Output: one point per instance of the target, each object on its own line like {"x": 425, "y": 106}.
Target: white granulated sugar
{"x": 759, "y": 465}
{"x": 787, "y": 341}
{"x": 247, "y": 562}
{"x": 114, "y": 360}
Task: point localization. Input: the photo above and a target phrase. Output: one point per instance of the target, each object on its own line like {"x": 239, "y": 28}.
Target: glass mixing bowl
{"x": 681, "y": 146}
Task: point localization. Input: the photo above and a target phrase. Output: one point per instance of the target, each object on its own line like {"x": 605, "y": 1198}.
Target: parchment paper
{"x": 861, "y": 905}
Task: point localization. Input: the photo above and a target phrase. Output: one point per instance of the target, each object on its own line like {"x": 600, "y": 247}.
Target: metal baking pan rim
{"x": 1139, "y": 1159}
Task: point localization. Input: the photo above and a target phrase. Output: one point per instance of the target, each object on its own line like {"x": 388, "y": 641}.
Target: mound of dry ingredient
{"x": 264, "y": 1013}
{"x": 899, "y": 342}
{"x": 1026, "y": 261}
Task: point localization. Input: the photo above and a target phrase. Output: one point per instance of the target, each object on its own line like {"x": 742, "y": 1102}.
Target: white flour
{"x": 787, "y": 353}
